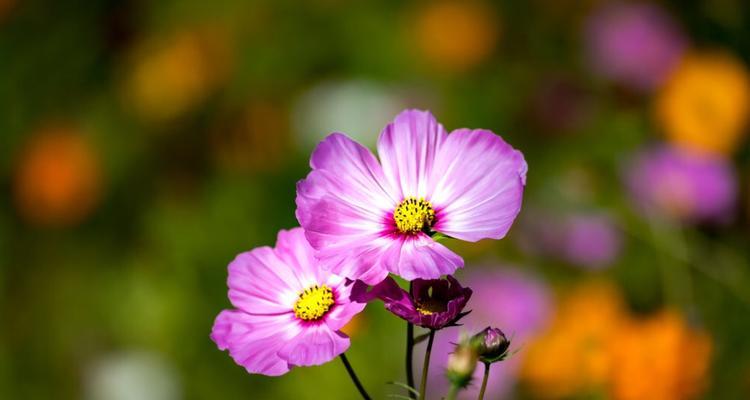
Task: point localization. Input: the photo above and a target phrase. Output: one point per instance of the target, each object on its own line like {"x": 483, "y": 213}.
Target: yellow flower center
{"x": 414, "y": 215}
{"x": 430, "y": 306}
{"x": 313, "y": 303}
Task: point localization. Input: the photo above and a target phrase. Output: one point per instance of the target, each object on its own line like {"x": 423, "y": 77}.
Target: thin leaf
{"x": 404, "y": 386}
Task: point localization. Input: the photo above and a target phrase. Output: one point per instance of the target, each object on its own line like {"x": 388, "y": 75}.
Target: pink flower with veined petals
{"x": 367, "y": 218}
{"x": 289, "y": 311}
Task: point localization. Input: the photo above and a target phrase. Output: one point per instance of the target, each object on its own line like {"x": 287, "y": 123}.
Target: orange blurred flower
{"x": 356, "y": 325}
{"x": 456, "y": 35}
{"x": 255, "y": 140}
{"x": 595, "y": 346}
{"x": 171, "y": 75}
{"x": 6, "y": 6}
{"x": 660, "y": 358}
{"x": 704, "y": 104}
{"x": 574, "y": 355}
{"x": 57, "y": 178}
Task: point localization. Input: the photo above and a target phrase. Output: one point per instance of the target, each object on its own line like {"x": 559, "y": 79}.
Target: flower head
{"x": 462, "y": 363}
{"x": 492, "y": 344}
{"x": 289, "y": 312}
{"x": 367, "y": 218}
{"x": 682, "y": 184}
{"x": 432, "y": 304}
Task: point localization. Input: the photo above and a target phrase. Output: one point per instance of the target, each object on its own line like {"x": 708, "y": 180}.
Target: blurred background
{"x": 144, "y": 144}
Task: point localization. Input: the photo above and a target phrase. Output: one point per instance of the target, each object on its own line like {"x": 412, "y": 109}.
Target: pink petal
{"x": 344, "y": 199}
{"x": 344, "y": 309}
{"x": 477, "y": 185}
{"x": 295, "y": 251}
{"x": 254, "y": 341}
{"x": 315, "y": 345}
{"x": 419, "y": 256}
{"x": 261, "y": 283}
{"x": 407, "y": 148}
{"x": 360, "y": 257}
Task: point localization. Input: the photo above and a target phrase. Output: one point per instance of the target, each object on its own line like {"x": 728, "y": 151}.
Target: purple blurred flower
{"x": 591, "y": 241}
{"x": 516, "y": 301}
{"x": 635, "y": 44}
{"x": 433, "y": 304}
{"x": 682, "y": 184}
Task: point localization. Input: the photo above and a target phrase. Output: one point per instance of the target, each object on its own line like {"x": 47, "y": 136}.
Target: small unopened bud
{"x": 491, "y": 344}
{"x": 462, "y": 363}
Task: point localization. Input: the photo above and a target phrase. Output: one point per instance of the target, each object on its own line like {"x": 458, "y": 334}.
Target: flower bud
{"x": 492, "y": 345}
{"x": 462, "y": 363}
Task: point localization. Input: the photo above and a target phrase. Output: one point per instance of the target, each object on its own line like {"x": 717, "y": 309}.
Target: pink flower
{"x": 367, "y": 218}
{"x": 289, "y": 311}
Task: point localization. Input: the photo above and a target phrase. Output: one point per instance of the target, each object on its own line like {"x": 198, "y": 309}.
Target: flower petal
{"x": 315, "y": 345}
{"x": 344, "y": 309}
{"x": 253, "y": 341}
{"x": 477, "y": 185}
{"x": 295, "y": 251}
{"x": 419, "y": 256}
{"x": 343, "y": 201}
{"x": 407, "y": 148}
{"x": 261, "y": 283}
{"x": 359, "y": 258}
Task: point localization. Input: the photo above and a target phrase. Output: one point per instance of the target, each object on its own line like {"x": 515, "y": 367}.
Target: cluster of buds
{"x": 488, "y": 346}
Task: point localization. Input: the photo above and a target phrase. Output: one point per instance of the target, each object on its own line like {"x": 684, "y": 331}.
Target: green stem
{"x": 426, "y": 366}
{"x": 484, "y": 381}
{"x": 452, "y": 392}
{"x": 353, "y": 375}
{"x": 410, "y": 358}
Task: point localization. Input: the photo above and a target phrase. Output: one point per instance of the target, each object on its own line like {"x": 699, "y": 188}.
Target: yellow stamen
{"x": 313, "y": 303}
{"x": 414, "y": 215}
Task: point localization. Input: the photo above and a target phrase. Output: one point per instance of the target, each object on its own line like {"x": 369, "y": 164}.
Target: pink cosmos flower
{"x": 289, "y": 311}
{"x": 367, "y": 218}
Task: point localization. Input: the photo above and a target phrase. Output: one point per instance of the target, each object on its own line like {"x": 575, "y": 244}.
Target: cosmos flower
{"x": 705, "y": 103}
{"x": 682, "y": 184}
{"x": 367, "y": 218}
{"x": 634, "y": 44}
{"x": 432, "y": 304}
{"x": 517, "y": 301}
{"x": 288, "y": 311}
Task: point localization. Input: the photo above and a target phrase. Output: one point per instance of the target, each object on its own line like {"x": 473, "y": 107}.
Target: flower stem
{"x": 410, "y": 358}
{"x": 452, "y": 392}
{"x": 353, "y": 375}
{"x": 484, "y": 381}
{"x": 426, "y": 366}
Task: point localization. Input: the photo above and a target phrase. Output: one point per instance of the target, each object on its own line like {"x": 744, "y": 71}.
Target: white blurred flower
{"x": 132, "y": 375}
{"x": 357, "y": 108}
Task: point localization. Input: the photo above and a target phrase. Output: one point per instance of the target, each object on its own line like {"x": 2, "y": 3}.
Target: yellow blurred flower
{"x": 660, "y": 358}
{"x": 57, "y": 179}
{"x": 171, "y": 75}
{"x": 574, "y": 355}
{"x": 704, "y": 104}
{"x": 456, "y": 35}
